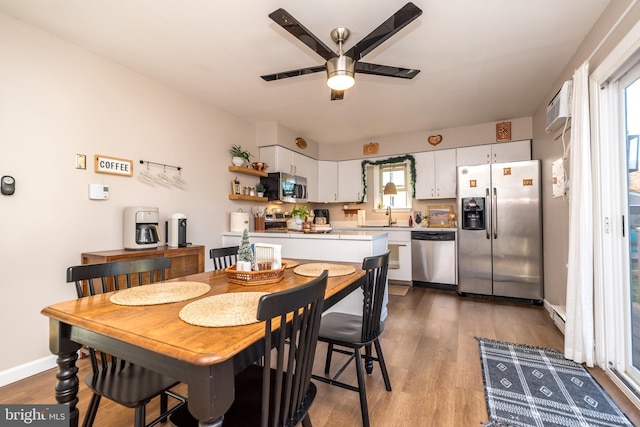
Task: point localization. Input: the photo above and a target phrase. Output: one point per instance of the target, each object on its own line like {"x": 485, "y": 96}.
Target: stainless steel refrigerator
{"x": 500, "y": 230}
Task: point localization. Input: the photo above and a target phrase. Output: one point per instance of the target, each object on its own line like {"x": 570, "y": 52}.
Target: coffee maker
{"x": 176, "y": 231}
{"x": 141, "y": 227}
{"x": 321, "y": 216}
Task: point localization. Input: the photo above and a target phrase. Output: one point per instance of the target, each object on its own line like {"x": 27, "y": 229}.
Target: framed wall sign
{"x": 113, "y": 165}
{"x": 503, "y": 132}
{"x": 371, "y": 148}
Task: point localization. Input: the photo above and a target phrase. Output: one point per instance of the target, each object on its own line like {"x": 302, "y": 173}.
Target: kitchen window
{"x": 398, "y": 173}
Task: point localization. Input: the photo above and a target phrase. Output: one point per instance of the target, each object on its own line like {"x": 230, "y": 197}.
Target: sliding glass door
{"x": 629, "y": 87}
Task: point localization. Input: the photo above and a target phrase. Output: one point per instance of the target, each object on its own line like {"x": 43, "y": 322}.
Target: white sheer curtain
{"x": 579, "y": 335}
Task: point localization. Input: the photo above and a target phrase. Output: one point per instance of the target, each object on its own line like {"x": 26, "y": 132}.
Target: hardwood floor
{"x": 432, "y": 358}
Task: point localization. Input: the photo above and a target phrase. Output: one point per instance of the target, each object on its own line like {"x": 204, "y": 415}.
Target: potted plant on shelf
{"x": 238, "y": 155}
{"x": 260, "y": 189}
{"x": 300, "y": 214}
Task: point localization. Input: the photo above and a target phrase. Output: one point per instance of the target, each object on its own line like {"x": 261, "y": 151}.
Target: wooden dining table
{"x": 153, "y": 336}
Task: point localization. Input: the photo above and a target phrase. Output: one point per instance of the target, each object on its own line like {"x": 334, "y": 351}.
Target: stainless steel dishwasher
{"x": 433, "y": 258}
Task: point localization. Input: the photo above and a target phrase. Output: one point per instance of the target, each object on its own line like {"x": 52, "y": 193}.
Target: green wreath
{"x": 399, "y": 159}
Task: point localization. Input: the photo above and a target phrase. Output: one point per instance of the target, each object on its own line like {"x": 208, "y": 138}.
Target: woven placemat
{"x": 232, "y": 309}
{"x": 160, "y": 293}
{"x": 316, "y": 268}
{"x": 290, "y": 263}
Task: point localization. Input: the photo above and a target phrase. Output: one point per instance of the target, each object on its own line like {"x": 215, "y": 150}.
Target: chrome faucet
{"x": 389, "y": 215}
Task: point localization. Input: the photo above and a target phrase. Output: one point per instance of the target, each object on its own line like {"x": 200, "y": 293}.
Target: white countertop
{"x": 393, "y": 228}
{"x": 333, "y": 235}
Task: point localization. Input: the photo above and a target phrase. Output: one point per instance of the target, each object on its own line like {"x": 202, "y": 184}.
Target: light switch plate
{"x": 81, "y": 161}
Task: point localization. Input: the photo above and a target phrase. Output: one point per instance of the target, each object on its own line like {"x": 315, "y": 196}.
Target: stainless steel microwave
{"x": 285, "y": 187}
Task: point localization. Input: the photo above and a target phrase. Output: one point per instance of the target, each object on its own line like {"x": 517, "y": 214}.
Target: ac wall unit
{"x": 559, "y": 109}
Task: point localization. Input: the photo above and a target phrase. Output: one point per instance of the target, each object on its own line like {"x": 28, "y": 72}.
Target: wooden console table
{"x": 184, "y": 261}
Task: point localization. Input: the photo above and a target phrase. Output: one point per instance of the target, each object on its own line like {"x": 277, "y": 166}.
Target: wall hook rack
{"x": 178, "y": 168}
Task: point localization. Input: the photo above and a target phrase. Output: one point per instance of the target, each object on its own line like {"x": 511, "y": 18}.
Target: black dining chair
{"x": 354, "y": 332}
{"x": 280, "y": 392}
{"x": 223, "y": 257}
{"x": 116, "y": 379}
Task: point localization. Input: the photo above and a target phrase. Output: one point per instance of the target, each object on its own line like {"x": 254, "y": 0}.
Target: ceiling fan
{"x": 342, "y": 66}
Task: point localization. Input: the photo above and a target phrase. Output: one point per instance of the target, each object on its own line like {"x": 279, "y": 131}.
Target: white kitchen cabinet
{"x": 282, "y": 159}
{"x": 501, "y": 152}
{"x": 308, "y": 168}
{"x": 327, "y": 181}
{"x": 436, "y": 174}
{"x": 400, "y": 268}
{"x": 349, "y": 181}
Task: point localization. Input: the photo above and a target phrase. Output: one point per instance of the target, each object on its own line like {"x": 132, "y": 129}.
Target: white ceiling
{"x": 480, "y": 60}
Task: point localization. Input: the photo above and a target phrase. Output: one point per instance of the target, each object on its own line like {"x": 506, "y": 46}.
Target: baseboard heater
{"x": 558, "y": 316}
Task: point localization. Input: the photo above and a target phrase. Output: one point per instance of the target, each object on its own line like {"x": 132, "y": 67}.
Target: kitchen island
{"x": 344, "y": 246}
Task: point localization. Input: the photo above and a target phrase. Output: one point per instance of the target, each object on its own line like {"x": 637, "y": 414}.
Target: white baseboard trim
{"x": 557, "y": 314}
{"x": 26, "y": 370}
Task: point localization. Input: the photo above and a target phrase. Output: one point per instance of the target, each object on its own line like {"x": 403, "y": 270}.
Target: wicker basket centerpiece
{"x": 252, "y": 278}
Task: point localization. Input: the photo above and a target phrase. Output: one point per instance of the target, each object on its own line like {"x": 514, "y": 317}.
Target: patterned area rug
{"x": 531, "y": 386}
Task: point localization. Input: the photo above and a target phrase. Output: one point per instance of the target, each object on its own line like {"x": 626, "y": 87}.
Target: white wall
{"x": 57, "y": 100}
{"x": 548, "y": 147}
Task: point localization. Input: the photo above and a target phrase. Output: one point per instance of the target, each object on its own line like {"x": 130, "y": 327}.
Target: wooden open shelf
{"x": 250, "y": 198}
{"x": 350, "y": 211}
{"x": 246, "y": 171}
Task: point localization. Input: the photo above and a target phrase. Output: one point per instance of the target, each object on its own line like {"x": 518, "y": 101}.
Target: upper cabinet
{"x": 350, "y": 181}
{"x": 327, "y": 181}
{"x": 436, "y": 174}
{"x": 494, "y": 153}
{"x": 280, "y": 159}
{"x": 308, "y": 168}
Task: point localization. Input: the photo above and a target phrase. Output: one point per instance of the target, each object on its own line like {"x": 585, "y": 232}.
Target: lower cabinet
{"x": 399, "y": 245}
{"x": 184, "y": 261}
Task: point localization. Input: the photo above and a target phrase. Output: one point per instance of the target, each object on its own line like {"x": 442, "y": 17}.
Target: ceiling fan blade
{"x": 386, "y": 70}
{"x": 337, "y": 95}
{"x": 395, "y": 23}
{"x": 291, "y": 24}
{"x": 293, "y": 73}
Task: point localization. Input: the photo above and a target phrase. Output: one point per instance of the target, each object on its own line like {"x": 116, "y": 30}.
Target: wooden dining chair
{"x": 353, "y": 332}
{"x": 280, "y": 392}
{"x": 223, "y": 257}
{"x": 116, "y": 379}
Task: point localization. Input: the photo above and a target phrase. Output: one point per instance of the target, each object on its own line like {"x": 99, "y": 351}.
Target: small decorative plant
{"x": 237, "y": 151}
{"x": 301, "y": 212}
{"x": 259, "y": 187}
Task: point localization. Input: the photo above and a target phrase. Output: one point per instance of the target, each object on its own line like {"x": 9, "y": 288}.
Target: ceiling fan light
{"x": 340, "y": 81}
{"x": 340, "y": 73}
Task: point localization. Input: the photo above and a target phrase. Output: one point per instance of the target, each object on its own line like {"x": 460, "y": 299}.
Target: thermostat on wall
{"x": 98, "y": 192}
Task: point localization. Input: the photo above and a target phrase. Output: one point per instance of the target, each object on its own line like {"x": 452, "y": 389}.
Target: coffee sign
{"x": 113, "y": 165}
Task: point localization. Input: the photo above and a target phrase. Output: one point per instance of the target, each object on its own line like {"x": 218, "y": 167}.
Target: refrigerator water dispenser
{"x": 473, "y": 213}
